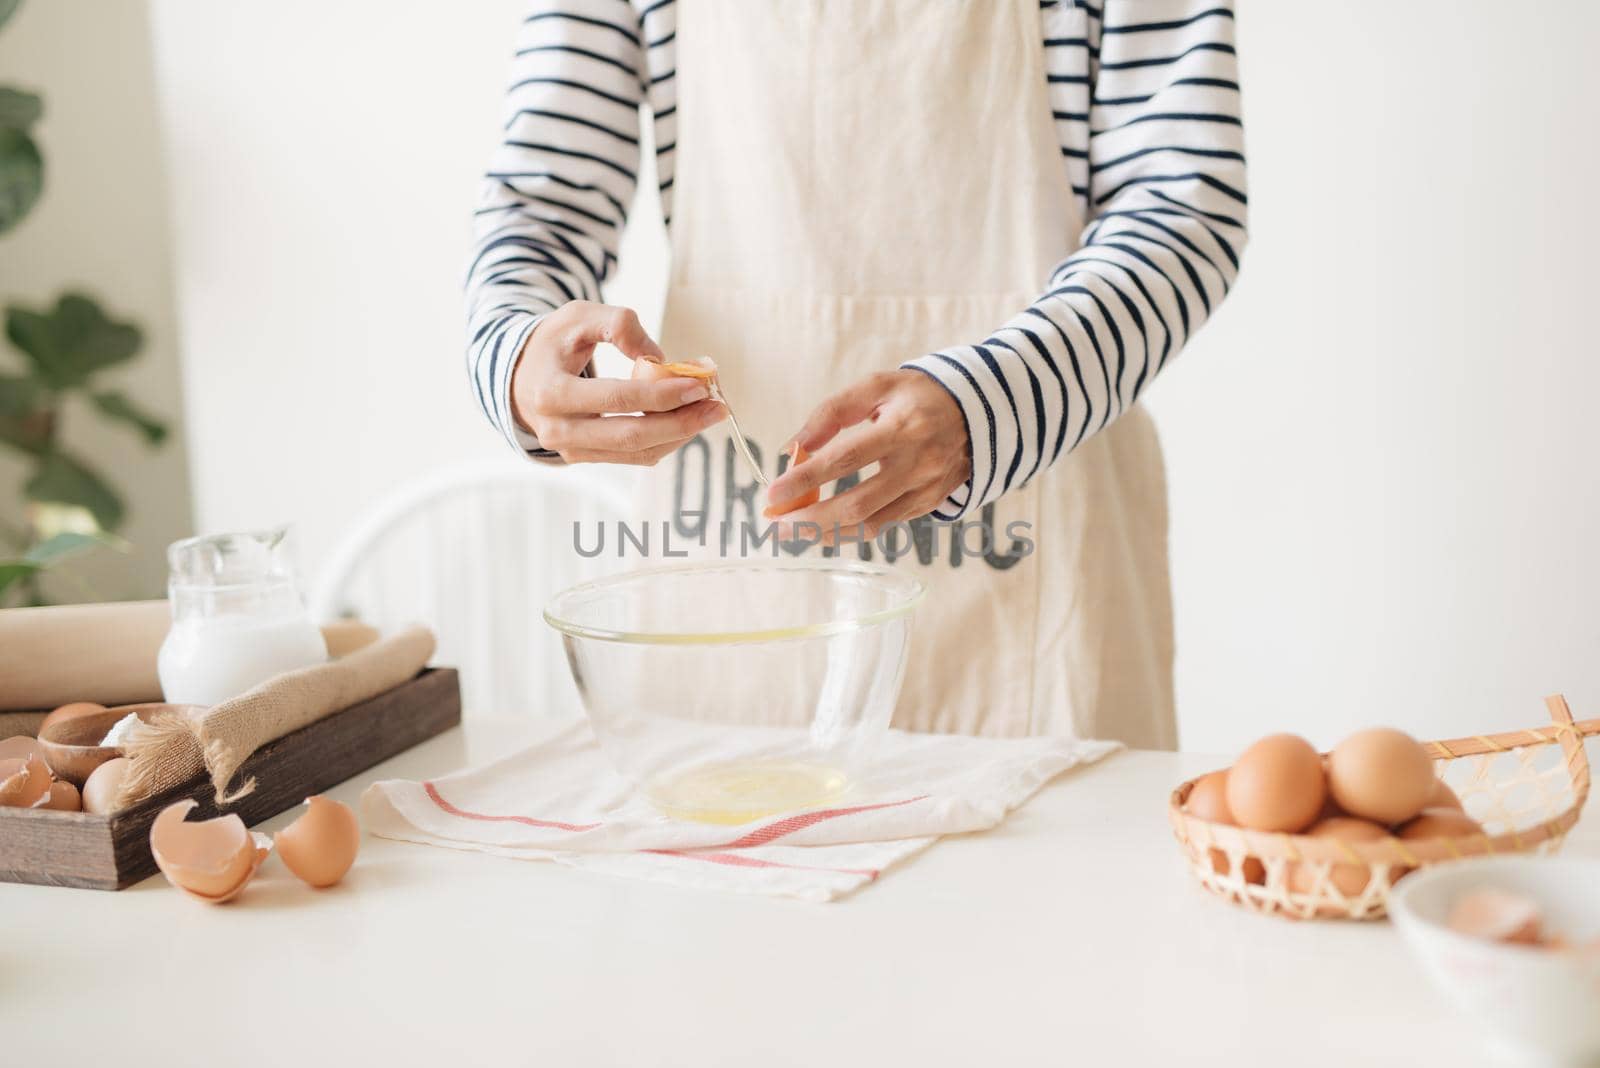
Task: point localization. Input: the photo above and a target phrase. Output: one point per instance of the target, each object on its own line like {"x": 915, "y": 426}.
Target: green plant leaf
{"x": 114, "y": 404}
{"x": 60, "y": 479}
{"x": 72, "y": 341}
{"x": 21, "y": 176}
{"x": 19, "y": 109}
{"x": 18, "y": 395}
{"x": 7, "y": 9}
{"x": 13, "y": 572}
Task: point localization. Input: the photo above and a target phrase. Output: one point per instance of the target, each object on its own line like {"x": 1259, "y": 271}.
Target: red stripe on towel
{"x": 761, "y": 836}
{"x": 736, "y": 861}
{"x": 791, "y": 824}
{"x": 555, "y": 825}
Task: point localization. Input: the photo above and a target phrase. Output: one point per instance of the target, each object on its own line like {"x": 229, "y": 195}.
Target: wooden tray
{"x": 111, "y": 852}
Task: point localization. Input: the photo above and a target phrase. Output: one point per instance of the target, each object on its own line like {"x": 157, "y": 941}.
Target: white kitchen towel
{"x": 559, "y": 800}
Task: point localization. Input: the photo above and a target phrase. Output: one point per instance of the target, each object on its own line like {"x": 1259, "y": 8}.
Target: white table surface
{"x": 1071, "y": 933}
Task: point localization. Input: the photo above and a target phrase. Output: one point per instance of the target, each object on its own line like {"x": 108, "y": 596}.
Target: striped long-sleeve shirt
{"x": 1145, "y": 97}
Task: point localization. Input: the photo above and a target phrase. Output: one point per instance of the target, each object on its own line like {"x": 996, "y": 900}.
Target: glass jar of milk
{"x": 237, "y": 618}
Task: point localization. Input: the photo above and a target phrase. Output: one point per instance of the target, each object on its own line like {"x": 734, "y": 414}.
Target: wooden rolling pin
{"x": 103, "y": 652}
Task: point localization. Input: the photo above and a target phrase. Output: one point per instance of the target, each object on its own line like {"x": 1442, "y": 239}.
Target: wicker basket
{"x": 1525, "y": 787}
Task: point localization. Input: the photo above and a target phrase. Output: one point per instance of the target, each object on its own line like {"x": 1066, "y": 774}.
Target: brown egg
{"x": 24, "y": 783}
{"x": 73, "y": 711}
{"x": 320, "y": 846}
{"x": 1440, "y": 823}
{"x": 1381, "y": 774}
{"x": 63, "y": 797}
{"x": 1208, "y": 800}
{"x": 101, "y": 788}
{"x": 1443, "y": 797}
{"x": 1348, "y": 879}
{"x": 1277, "y": 784}
{"x": 211, "y": 860}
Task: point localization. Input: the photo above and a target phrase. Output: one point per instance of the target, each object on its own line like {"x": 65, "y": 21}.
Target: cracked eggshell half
{"x": 701, "y": 368}
{"x": 211, "y": 860}
{"x": 320, "y": 846}
{"x": 24, "y": 782}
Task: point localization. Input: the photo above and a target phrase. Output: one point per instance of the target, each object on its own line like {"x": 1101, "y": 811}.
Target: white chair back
{"x": 476, "y": 552}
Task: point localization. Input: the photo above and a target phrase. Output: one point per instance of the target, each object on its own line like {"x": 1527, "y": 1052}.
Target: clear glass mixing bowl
{"x": 731, "y": 691}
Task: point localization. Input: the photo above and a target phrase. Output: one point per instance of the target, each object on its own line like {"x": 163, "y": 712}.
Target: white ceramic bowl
{"x": 1543, "y": 1005}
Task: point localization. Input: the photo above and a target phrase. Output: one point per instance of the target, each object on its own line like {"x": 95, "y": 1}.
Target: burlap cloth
{"x": 176, "y": 746}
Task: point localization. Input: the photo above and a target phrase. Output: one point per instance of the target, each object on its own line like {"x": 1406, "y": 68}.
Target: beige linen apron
{"x": 859, "y": 182}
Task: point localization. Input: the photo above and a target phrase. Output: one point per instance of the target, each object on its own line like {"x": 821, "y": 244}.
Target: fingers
{"x": 854, "y": 510}
{"x": 825, "y": 529}
{"x": 627, "y": 435}
{"x": 911, "y": 505}
{"x": 571, "y": 395}
{"x": 840, "y": 457}
{"x": 568, "y": 411}
{"x": 647, "y": 458}
{"x": 846, "y": 408}
{"x": 579, "y": 325}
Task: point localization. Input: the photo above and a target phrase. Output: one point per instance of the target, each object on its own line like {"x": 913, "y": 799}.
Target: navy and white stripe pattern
{"x": 1145, "y": 97}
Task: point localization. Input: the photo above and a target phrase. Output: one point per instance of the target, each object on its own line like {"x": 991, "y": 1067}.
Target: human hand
{"x": 568, "y": 413}
{"x": 917, "y": 437}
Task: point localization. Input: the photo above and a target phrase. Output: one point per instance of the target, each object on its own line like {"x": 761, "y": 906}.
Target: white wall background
{"x": 323, "y": 160}
{"x": 1383, "y": 452}
{"x": 102, "y": 227}
{"x": 1383, "y": 471}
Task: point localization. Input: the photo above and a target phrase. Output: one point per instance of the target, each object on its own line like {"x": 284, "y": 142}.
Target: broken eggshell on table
{"x": 321, "y": 844}
{"x": 210, "y": 860}
{"x": 214, "y": 860}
